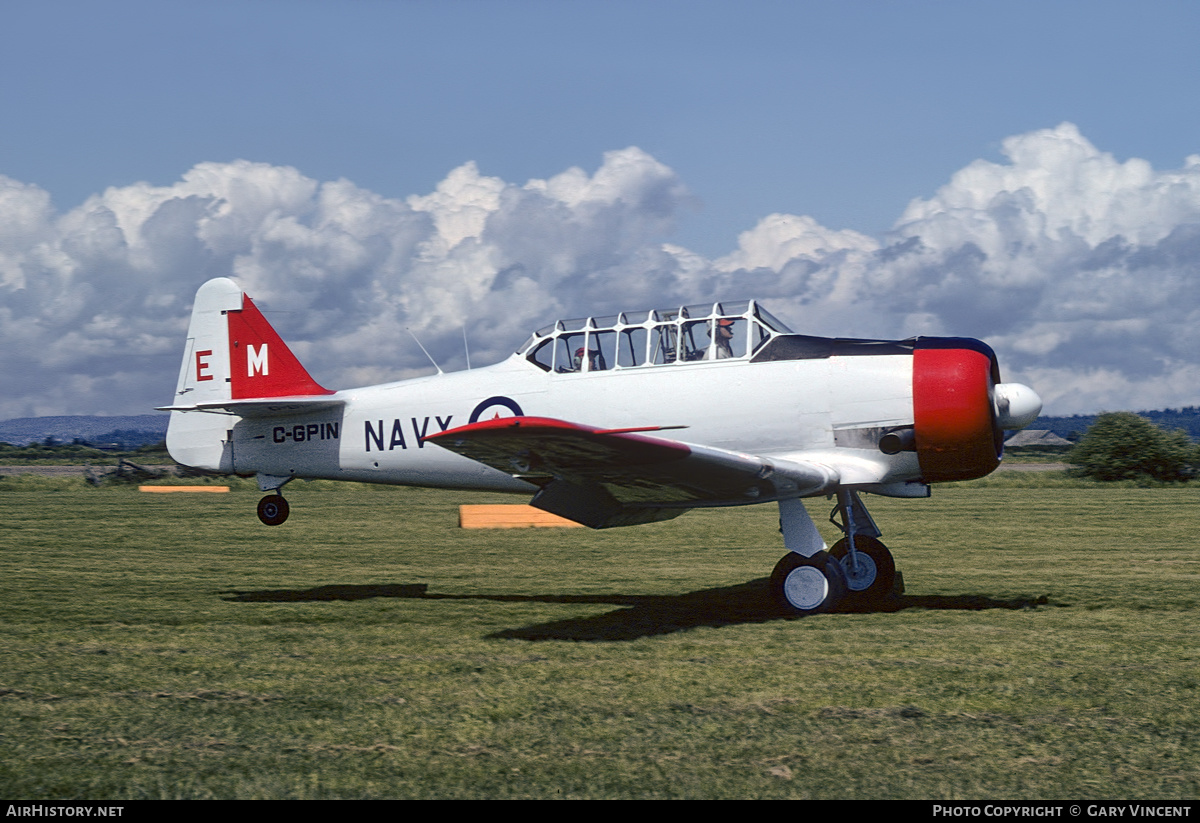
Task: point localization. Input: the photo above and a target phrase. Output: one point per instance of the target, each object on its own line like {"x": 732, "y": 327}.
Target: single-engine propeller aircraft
{"x": 621, "y": 420}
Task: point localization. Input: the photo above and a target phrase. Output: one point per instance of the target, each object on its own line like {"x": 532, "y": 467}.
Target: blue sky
{"x": 841, "y": 113}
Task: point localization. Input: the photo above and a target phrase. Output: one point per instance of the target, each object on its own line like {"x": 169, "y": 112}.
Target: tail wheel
{"x": 873, "y": 577}
{"x": 808, "y": 585}
{"x": 273, "y": 509}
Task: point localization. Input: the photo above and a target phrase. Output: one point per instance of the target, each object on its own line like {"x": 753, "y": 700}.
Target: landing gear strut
{"x": 869, "y": 567}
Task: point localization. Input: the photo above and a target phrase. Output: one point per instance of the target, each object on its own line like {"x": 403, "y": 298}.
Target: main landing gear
{"x": 858, "y": 572}
{"x": 272, "y": 509}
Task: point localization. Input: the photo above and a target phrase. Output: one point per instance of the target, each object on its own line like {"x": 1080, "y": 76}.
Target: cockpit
{"x": 660, "y": 337}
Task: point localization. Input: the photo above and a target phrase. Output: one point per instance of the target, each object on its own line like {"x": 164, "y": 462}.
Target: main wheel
{"x": 808, "y": 585}
{"x": 872, "y": 578}
{"x": 273, "y": 509}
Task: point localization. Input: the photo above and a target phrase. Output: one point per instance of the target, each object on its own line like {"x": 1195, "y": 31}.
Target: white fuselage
{"x": 828, "y": 406}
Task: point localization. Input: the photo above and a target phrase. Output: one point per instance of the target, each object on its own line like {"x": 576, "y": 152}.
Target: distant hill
{"x": 1187, "y": 418}
{"x": 131, "y": 431}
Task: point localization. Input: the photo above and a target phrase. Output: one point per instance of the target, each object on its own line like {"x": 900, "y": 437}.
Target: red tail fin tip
{"x": 260, "y": 363}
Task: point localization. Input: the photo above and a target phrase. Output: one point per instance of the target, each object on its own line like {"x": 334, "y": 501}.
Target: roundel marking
{"x": 498, "y": 400}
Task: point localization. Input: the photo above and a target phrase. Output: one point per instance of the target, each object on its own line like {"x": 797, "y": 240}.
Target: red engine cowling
{"x": 956, "y": 431}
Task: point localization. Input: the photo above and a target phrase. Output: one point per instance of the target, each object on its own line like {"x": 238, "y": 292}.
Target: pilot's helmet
{"x": 579, "y": 358}
{"x": 723, "y": 323}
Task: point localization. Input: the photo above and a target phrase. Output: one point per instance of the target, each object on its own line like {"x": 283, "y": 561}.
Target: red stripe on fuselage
{"x": 952, "y": 414}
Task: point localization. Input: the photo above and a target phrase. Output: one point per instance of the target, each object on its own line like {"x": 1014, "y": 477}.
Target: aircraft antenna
{"x": 427, "y": 354}
{"x": 466, "y": 348}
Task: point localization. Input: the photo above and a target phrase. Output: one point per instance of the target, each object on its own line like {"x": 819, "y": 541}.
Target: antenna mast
{"x": 427, "y": 354}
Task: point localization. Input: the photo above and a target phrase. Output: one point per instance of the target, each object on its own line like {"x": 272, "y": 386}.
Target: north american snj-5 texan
{"x": 621, "y": 420}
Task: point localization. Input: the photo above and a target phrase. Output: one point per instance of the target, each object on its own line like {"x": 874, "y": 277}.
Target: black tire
{"x": 808, "y": 585}
{"x": 875, "y": 577}
{"x": 273, "y": 509}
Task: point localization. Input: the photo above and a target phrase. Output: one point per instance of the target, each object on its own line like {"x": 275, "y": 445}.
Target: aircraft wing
{"x": 620, "y": 477}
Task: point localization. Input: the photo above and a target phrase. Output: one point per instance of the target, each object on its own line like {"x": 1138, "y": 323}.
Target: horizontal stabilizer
{"x": 262, "y": 406}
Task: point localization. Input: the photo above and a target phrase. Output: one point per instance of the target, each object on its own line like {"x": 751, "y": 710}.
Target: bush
{"x": 1123, "y": 446}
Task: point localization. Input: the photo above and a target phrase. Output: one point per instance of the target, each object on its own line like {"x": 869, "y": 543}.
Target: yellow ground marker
{"x": 510, "y": 517}
{"x": 162, "y": 489}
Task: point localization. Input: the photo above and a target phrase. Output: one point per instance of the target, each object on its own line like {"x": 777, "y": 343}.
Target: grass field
{"x": 170, "y": 646}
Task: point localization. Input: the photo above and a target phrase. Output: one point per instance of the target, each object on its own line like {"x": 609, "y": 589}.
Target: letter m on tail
{"x": 257, "y": 362}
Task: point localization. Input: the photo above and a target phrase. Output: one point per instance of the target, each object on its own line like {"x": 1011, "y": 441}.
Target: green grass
{"x": 171, "y": 646}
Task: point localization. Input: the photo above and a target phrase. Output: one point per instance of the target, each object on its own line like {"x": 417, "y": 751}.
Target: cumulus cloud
{"x": 1076, "y": 266}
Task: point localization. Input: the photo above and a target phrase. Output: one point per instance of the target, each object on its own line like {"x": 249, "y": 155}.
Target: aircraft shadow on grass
{"x": 639, "y": 615}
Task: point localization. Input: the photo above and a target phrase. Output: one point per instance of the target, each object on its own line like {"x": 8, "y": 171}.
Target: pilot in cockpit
{"x": 724, "y": 340}
{"x": 595, "y": 361}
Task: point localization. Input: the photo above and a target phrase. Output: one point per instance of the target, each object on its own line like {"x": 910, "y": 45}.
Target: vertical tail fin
{"x": 232, "y": 353}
